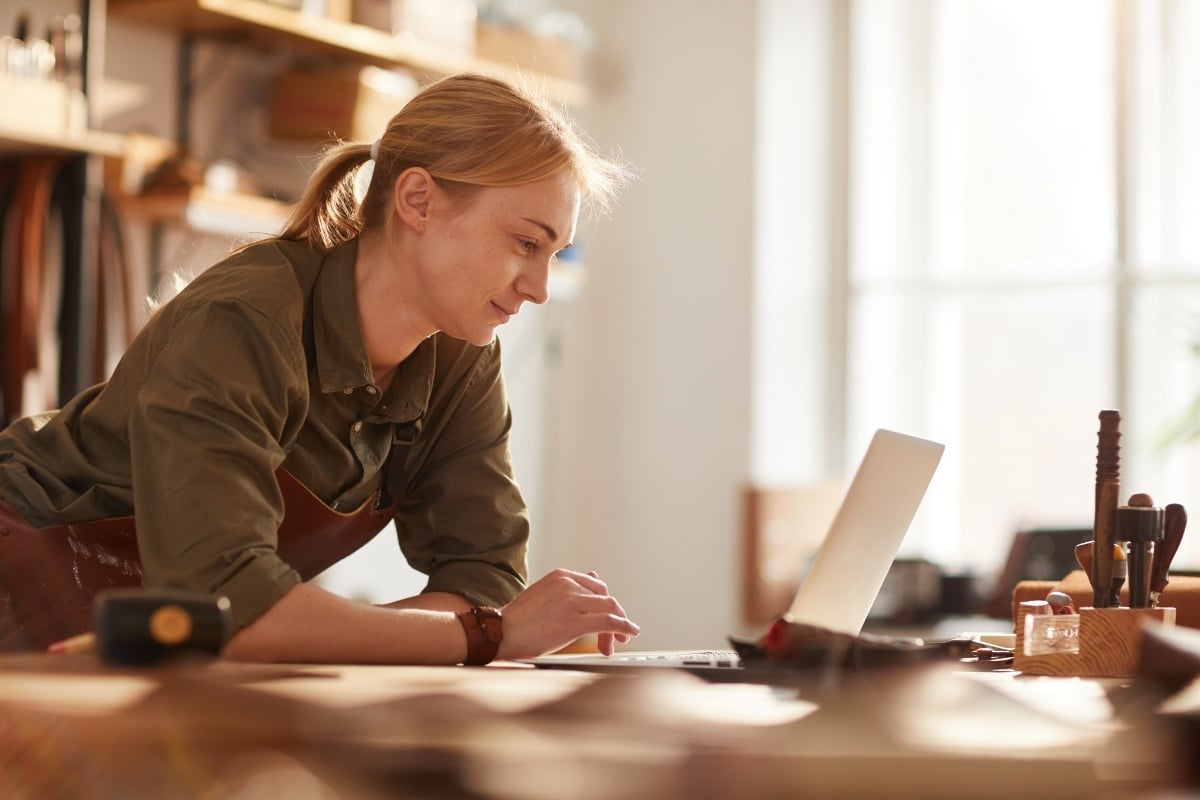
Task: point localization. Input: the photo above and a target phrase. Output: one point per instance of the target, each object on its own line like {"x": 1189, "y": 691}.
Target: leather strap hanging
{"x": 21, "y": 277}
{"x": 8, "y": 177}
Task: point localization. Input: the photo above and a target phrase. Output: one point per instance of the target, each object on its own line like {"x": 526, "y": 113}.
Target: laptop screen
{"x": 850, "y": 565}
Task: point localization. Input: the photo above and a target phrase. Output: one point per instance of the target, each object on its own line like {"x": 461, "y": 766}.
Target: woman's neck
{"x": 390, "y": 327}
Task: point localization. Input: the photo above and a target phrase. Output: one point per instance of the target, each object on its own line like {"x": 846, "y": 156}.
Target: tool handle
{"x": 1108, "y": 448}
{"x": 1174, "y": 524}
{"x": 1083, "y": 557}
{"x": 1108, "y": 482}
{"x": 1105, "y": 533}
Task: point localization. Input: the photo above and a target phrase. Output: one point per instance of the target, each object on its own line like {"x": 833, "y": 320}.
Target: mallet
{"x": 142, "y": 626}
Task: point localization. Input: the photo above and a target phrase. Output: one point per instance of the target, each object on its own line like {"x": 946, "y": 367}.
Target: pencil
{"x": 83, "y": 643}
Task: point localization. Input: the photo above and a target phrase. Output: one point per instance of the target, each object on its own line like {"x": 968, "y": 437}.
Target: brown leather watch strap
{"x": 484, "y": 631}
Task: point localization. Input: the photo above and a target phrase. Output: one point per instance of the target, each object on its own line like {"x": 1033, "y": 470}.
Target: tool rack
{"x": 1109, "y": 642}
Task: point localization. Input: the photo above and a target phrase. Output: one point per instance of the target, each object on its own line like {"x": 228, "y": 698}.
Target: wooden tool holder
{"x": 1109, "y": 643}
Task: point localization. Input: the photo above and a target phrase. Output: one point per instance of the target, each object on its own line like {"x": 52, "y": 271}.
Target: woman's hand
{"x": 560, "y": 608}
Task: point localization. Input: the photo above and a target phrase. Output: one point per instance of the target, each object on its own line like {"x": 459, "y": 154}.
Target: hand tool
{"x": 1120, "y": 567}
{"x": 141, "y": 626}
{"x": 1119, "y": 573}
{"x": 1083, "y": 557}
{"x": 1174, "y": 523}
{"x": 1108, "y": 472}
{"x": 1140, "y": 524}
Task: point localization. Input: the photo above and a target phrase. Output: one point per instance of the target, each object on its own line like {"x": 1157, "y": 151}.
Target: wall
{"x": 649, "y": 446}
{"x": 799, "y": 222}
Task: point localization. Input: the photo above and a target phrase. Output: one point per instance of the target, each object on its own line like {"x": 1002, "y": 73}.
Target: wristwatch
{"x": 484, "y": 628}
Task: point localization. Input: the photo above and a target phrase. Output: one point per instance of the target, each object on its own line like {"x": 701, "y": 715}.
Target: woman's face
{"x": 487, "y": 254}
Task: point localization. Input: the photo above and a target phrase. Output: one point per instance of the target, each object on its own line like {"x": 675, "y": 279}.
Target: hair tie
{"x": 375, "y": 150}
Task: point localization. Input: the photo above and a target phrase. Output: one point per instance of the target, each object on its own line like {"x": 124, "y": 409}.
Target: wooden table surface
{"x": 71, "y": 727}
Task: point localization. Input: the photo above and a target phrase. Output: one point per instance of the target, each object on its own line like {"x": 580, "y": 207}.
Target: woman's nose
{"x": 534, "y": 285}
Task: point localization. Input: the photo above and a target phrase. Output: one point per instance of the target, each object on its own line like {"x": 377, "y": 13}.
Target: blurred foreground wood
{"x": 72, "y": 728}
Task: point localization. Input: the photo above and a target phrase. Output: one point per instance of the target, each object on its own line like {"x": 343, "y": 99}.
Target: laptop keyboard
{"x": 699, "y": 658}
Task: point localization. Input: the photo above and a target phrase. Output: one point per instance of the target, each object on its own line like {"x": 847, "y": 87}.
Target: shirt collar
{"x": 341, "y": 356}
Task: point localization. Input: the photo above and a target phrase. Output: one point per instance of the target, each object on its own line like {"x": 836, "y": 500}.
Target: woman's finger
{"x": 591, "y": 581}
{"x": 590, "y": 602}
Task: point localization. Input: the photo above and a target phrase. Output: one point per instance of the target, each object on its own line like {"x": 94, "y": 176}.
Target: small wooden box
{"x": 321, "y": 105}
{"x": 515, "y": 47}
{"x": 1109, "y": 643}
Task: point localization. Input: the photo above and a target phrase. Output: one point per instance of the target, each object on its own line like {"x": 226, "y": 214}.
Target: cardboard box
{"x": 446, "y": 25}
{"x": 516, "y": 47}
{"x": 353, "y": 104}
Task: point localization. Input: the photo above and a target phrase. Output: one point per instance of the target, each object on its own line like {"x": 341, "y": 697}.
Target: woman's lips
{"x": 504, "y": 312}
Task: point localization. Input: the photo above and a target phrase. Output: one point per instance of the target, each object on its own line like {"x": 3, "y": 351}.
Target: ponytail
{"x": 328, "y": 212}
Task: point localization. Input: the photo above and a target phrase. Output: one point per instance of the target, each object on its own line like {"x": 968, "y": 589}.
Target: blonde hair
{"x": 469, "y": 131}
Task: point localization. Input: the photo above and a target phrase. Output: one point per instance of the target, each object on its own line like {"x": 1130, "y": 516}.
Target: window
{"x": 1021, "y": 250}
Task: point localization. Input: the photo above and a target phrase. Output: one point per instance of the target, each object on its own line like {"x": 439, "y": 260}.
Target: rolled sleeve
{"x": 262, "y": 580}
{"x": 461, "y": 518}
{"x": 205, "y": 440}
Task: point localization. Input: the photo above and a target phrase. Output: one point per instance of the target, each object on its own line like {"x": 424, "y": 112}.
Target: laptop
{"x": 848, "y": 569}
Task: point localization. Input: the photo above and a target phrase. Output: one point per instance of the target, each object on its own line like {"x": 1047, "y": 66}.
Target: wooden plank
{"x": 15, "y": 140}
{"x": 209, "y": 211}
{"x": 264, "y": 24}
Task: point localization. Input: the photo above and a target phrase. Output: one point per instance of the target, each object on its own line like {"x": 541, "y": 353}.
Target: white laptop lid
{"x": 853, "y": 560}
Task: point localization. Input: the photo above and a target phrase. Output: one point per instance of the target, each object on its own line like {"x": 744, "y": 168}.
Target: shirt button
{"x": 348, "y": 391}
{"x": 357, "y": 427}
{"x": 372, "y": 390}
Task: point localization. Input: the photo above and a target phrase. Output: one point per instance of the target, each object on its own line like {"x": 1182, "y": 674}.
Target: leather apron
{"x": 49, "y": 576}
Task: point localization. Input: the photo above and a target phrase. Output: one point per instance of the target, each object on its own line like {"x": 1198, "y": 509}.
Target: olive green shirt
{"x": 217, "y": 391}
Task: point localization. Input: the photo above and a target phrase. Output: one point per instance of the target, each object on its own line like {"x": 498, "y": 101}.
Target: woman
{"x": 345, "y": 372}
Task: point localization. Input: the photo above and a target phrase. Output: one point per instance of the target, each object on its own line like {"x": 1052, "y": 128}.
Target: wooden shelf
{"x": 262, "y": 23}
{"x": 36, "y": 117}
{"x": 15, "y": 140}
{"x": 204, "y": 210}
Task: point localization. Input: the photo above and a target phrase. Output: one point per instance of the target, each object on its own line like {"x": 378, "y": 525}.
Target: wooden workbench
{"x": 73, "y": 728}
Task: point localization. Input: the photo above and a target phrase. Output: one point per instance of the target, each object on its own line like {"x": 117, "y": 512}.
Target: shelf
{"x": 15, "y": 140}
{"x": 266, "y": 24}
{"x": 36, "y": 116}
{"x": 207, "y": 211}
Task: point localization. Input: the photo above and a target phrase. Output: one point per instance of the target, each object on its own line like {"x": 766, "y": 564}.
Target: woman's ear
{"x": 411, "y": 197}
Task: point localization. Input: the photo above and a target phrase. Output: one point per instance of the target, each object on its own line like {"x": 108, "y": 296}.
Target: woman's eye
{"x": 528, "y": 245}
